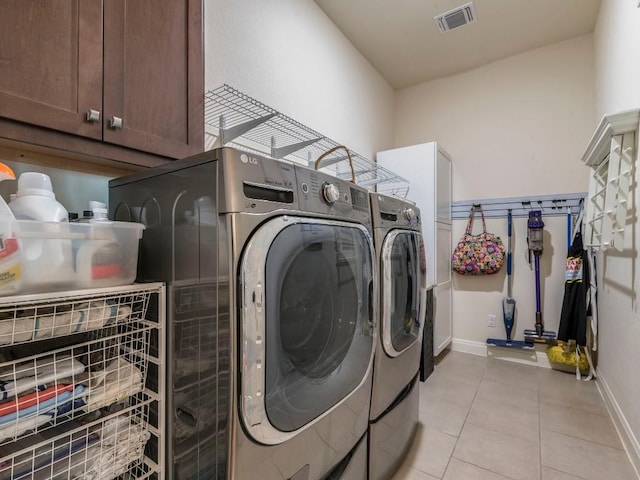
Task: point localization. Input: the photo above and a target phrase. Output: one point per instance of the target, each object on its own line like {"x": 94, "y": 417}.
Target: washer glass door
{"x": 307, "y": 322}
{"x": 402, "y": 278}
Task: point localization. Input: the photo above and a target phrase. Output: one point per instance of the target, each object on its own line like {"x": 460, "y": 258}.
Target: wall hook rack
{"x": 558, "y": 204}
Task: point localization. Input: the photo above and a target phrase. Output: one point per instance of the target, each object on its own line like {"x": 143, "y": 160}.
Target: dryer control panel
{"x": 393, "y": 212}
{"x": 319, "y": 192}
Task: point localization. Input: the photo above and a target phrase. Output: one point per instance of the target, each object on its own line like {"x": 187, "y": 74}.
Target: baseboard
{"x": 469, "y": 346}
{"x": 628, "y": 438}
{"x": 536, "y": 357}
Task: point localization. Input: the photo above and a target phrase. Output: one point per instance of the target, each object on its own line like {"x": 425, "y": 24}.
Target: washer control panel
{"x": 319, "y": 192}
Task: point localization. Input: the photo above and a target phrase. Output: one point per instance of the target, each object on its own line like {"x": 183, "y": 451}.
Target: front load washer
{"x": 271, "y": 312}
{"x": 401, "y": 289}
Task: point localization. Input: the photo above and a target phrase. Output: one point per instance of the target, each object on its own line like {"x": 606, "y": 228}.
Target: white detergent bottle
{"x": 10, "y": 258}
{"x": 46, "y": 254}
{"x": 35, "y": 199}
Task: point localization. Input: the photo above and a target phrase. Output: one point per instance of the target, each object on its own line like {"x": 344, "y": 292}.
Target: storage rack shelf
{"x": 232, "y": 118}
{"x": 551, "y": 205}
{"x": 82, "y": 384}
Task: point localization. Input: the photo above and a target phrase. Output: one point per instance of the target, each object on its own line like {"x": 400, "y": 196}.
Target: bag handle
{"x": 472, "y": 213}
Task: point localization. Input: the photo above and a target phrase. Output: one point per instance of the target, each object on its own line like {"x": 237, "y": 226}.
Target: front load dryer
{"x": 401, "y": 285}
{"x": 271, "y": 313}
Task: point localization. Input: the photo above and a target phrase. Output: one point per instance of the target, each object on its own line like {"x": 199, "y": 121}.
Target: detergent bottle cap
{"x": 6, "y": 174}
{"x": 35, "y": 183}
{"x": 99, "y": 215}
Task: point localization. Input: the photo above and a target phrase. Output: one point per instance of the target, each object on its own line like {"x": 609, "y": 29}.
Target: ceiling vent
{"x": 455, "y": 18}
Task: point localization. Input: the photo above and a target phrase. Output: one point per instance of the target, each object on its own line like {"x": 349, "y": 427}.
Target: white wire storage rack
{"x": 82, "y": 384}
{"x": 233, "y": 118}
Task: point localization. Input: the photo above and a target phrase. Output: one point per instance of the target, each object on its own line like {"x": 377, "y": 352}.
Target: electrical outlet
{"x": 491, "y": 322}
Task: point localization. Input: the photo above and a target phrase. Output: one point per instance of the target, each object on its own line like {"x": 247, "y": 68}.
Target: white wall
{"x": 526, "y": 119}
{"x": 290, "y": 56}
{"x": 616, "y": 46}
{"x": 617, "y": 70}
{"x": 515, "y": 127}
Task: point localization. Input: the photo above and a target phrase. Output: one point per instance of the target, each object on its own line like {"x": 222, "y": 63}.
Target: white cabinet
{"x": 428, "y": 168}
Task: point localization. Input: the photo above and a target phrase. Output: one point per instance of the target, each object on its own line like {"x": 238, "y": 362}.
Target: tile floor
{"x": 488, "y": 419}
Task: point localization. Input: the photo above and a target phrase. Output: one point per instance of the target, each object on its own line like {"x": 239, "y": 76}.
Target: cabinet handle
{"x": 93, "y": 116}
{"x": 115, "y": 123}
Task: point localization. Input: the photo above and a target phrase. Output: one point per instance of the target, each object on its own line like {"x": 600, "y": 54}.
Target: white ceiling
{"x": 401, "y": 40}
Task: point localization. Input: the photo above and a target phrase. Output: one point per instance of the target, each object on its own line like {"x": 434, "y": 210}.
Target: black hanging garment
{"x": 573, "y": 319}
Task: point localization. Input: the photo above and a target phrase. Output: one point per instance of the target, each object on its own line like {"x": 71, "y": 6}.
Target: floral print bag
{"x": 481, "y": 254}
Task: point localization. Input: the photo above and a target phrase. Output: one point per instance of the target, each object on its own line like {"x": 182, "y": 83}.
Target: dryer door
{"x": 306, "y": 322}
{"x": 402, "y": 284}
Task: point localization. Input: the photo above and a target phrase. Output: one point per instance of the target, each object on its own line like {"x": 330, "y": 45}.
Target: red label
{"x": 8, "y": 246}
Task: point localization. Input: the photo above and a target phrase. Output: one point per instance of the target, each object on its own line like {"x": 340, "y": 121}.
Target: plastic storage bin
{"x": 55, "y": 256}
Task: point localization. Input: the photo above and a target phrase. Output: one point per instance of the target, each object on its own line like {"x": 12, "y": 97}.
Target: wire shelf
{"x": 82, "y": 384}
{"x": 55, "y": 317}
{"x": 232, "y": 118}
{"x": 102, "y": 449}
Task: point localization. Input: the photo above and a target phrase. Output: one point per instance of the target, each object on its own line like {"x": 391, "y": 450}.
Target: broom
{"x": 509, "y": 303}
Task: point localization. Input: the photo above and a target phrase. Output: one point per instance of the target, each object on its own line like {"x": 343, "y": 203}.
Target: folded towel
{"x": 38, "y": 415}
{"x": 15, "y": 429}
{"x": 26, "y": 376}
{"x": 43, "y": 407}
{"x": 122, "y": 443}
{"x": 31, "y": 399}
{"x": 57, "y": 459}
{"x": 119, "y": 380}
{"x": 84, "y": 317}
{"x": 67, "y": 462}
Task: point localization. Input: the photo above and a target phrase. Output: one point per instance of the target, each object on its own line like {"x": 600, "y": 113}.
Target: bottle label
{"x": 8, "y": 246}
{"x": 10, "y": 275}
{"x": 8, "y": 251}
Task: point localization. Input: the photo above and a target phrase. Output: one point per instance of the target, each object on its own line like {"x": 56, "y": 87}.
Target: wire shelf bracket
{"x": 282, "y": 152}
{"x": 230, "y": 134}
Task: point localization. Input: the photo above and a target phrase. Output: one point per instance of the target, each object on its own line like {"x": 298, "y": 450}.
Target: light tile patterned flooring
{"x": 488, "y": 419}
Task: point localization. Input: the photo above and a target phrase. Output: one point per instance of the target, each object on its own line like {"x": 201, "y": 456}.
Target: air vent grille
{"x": 455, "y": 18}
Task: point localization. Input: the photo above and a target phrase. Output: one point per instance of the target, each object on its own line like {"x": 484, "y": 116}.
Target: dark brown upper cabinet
{"x": 126, "y": 73}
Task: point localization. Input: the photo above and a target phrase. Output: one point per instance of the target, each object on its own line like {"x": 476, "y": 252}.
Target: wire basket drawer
{"x": 78, "y": 379}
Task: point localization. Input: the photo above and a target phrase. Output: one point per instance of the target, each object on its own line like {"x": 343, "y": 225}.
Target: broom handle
{"x": 538, "y": 300}
{"x": 509, "y": 232}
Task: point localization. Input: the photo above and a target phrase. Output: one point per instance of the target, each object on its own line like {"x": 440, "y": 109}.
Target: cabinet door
{"x": 442, "y": 318}
{"x": 443, "y": 187}
{"x": 51, "y": 63}
{"x": 153, "y": 75}
{"x": 442, "y": 253}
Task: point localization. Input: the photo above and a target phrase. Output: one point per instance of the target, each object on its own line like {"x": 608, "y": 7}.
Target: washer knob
{"x": 409, "y": 214}
{"x": 330, "y": 193}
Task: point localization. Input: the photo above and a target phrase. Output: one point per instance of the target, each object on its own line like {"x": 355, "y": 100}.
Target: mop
{"x": 509, "y": 303}
{"x": 535, "y": 227}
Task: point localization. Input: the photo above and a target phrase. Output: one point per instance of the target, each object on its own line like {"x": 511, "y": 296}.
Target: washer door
{"x": 402, "y": 280}
{"x": 306, "y": 322}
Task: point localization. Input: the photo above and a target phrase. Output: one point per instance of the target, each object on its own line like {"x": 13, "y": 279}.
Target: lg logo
{"x": 244, "y": 158}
